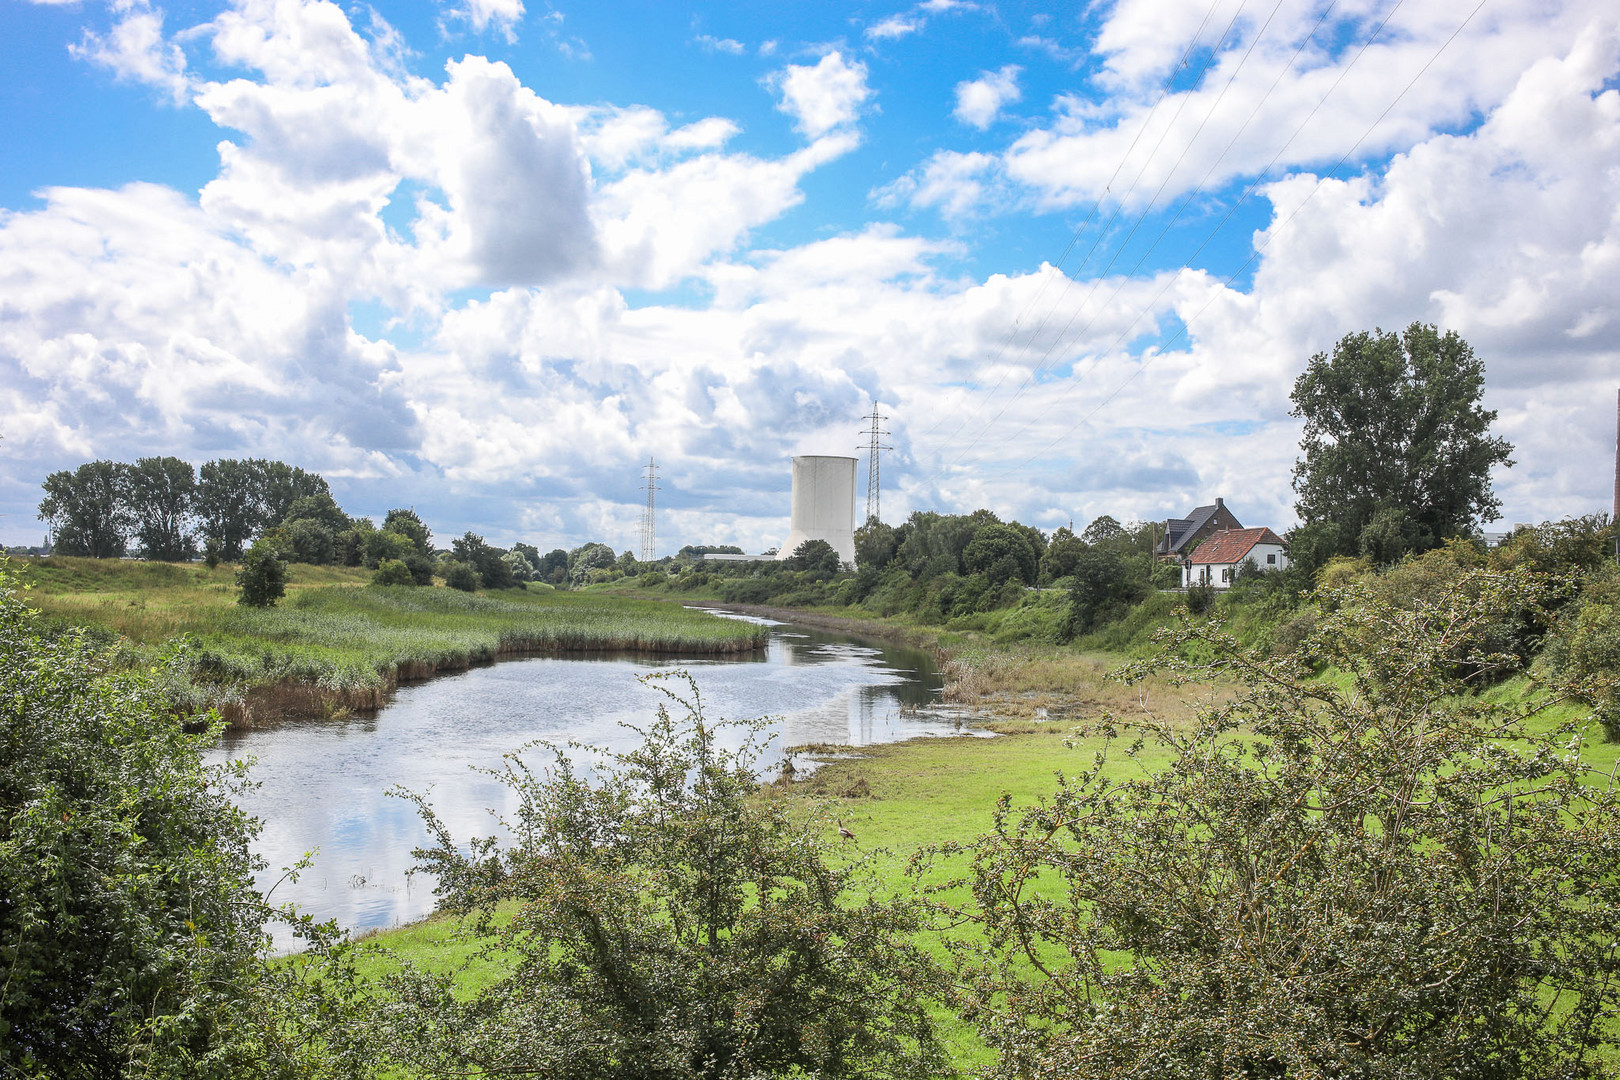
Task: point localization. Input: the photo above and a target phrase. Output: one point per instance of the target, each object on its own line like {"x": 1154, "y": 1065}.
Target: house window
{"x": 1226, "y": 575}
{"x": 1271, "y": 559}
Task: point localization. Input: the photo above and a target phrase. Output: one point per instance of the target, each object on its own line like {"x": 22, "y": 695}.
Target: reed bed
{"x": 336, "y": 644}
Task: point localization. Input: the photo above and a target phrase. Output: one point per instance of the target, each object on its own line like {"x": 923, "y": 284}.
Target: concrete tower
{"x": 823, "y": 504}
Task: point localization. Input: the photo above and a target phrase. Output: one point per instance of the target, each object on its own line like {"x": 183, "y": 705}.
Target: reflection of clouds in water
{"x": 325, "y": 785}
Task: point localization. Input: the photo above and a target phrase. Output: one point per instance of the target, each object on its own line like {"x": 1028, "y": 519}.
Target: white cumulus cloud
{"x": 822, "y": 97}
{"x": 980, "y": 101}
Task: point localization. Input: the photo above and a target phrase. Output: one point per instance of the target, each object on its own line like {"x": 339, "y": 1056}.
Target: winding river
{"x": 323, "y": 786}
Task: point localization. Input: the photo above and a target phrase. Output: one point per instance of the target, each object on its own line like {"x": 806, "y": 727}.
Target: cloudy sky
{"x": 485, "y": 257}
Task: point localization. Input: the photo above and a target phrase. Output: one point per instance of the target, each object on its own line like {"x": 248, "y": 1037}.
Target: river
{"x": 323, "y": 786}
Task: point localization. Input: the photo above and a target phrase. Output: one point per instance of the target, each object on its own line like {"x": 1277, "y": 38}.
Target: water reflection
{"x": 323, "y": 785}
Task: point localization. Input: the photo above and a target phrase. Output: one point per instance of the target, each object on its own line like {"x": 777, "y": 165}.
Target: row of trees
{"x": 167, "y": 507}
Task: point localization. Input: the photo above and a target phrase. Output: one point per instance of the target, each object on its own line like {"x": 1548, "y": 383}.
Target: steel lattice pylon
{"x": 874, "y": 447}
{"x": 649, "y": 531}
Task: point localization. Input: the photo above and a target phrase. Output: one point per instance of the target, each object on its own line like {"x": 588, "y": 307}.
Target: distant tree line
{"x": 266, "y": 514}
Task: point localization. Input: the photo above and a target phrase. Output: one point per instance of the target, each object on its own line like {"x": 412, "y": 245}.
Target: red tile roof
{"x": 1232, "y": 545}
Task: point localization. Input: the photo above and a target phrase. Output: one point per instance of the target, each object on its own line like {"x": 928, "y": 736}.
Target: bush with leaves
{"x": 392, "y": 572}
{"x": 1385, "y": 876}
{"x": 131, "y": 935}
{"x": 262, "y": 577}
{"x": 460, "y": 575}
{"x": 668, "y": 920}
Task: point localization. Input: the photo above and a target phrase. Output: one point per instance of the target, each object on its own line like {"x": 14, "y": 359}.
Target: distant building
{"x": 1183, "y": 535}
{"x": 1218, "y": 558}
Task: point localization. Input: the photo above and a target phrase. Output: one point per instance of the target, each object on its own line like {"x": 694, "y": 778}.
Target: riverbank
{"x": 336, "y": 644}
{"x": 991, "y": 680}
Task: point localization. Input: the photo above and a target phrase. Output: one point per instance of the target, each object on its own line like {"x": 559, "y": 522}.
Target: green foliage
{"x": 262, "y": 577}
{"x": 88, "y": 509}
{"x": 131, "y": 935}
{"x": 1062, "y": 554}
{"x": 406, "y": 523}
{"x": 212, "y": 550}
{"x": 392, "y": 572}
{"x": 322, "y": 508}
{"x": 588, "y": 557}
{"x": 1102, "y": 529}
{"x": 1002, "y": 553}
{"x": 1381, "y": 875}
{"x": 815, "y": 556}
{"x": 670, "y": 922}
{"x": 494, "y": 572}
{"x": 382, "y": 545}
{"x": 161, "y": 491}
{"x": 875, "y": 544}
{"x": 240, "y": 499}
{"x": 460, "y": 575}
{"x": 1103, "y": 583}
{"x": 1396, "y": 448}
{"x": 308, "y": 540}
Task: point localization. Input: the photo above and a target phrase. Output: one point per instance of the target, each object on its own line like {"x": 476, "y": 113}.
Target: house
{"x": 1183, "y": 535}
{"x": 1218, "y": 558}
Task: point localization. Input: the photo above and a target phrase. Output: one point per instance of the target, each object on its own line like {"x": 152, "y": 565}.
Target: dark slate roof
{"x": 1176, "y": 537}
{"x": 1232, "y": 546}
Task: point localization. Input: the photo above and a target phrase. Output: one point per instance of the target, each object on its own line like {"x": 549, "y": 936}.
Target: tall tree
{"x": 88, "y": 509}
{"x": 161, "y": 493}
{"x": 1396, "y": 450}
{"x": 228, "y": 504}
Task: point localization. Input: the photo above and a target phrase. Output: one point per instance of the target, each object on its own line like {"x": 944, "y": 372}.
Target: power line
{"x": 1091, "y": 216}
{"x": 1248, "y": 191}
{"x": 1258, "y": 251}
{"x": 649, "y": 531}
{"x": 1046, "y": 356}
{"x": 874, "y": 447}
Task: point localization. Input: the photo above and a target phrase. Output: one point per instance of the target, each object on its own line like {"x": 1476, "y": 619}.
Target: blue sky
{"x": 486, "y": 256}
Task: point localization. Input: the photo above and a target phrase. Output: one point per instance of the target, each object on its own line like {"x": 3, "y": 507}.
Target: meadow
{"x": 336, "y": 642}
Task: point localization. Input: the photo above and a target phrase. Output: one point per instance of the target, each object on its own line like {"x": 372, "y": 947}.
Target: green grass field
{"x": 335, "y": 642}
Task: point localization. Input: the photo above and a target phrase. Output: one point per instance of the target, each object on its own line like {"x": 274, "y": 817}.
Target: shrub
{"x": 1385, "y": 877}
{"x": 262, "y": 577}
{"x": 460, "y": 575}
{"x": 392, "y": 572}
{"x": 131, "y": 934}
{"x": 668, "y": 922}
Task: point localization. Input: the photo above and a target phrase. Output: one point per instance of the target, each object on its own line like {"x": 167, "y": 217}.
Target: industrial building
{"x": 823, "y": 505}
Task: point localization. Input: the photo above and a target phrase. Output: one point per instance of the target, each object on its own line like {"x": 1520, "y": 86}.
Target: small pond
{"x": 323, "y": 785}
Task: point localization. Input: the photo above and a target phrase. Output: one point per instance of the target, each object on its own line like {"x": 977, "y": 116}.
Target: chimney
{"x": 1220, "y": 503}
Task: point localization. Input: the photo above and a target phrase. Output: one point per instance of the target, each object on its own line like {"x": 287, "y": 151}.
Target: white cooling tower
{"x": 823, "y": 504}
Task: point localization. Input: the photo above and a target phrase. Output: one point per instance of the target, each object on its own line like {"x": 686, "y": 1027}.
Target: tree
{"x": 1003, "y": 553}
{"x": 392, "y": 572}
{"x": 587, "y": 557}
{"x": 161, "y": 491}
{"x": 1381, "y": 876}
{"x": 461, "y": 576}
{"x": 320, "y": 508}
{"x": 306, "y": 540}
{"x": 406, "y": 523}
{"x": 875, "y": 544}
{"x": 815, "y": 556}
{"x": 1102, "y": 529}
{"x": 131, "y": 934}
{"x": 666, "y": 920}
{"x": 262, "y": 577}
{"x": 229, "y": 505}
{"x": 240, "y": 499}
{"x": 1393, "y": 424}
{"x": 1062, "y": 554}
{"x": 1102, "y": 583}
{"x": 494, "y": 572}
{"x": 88, "y": 509}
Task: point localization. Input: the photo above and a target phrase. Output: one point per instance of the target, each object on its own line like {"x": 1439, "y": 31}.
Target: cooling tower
{"x": 823, "y": 504}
